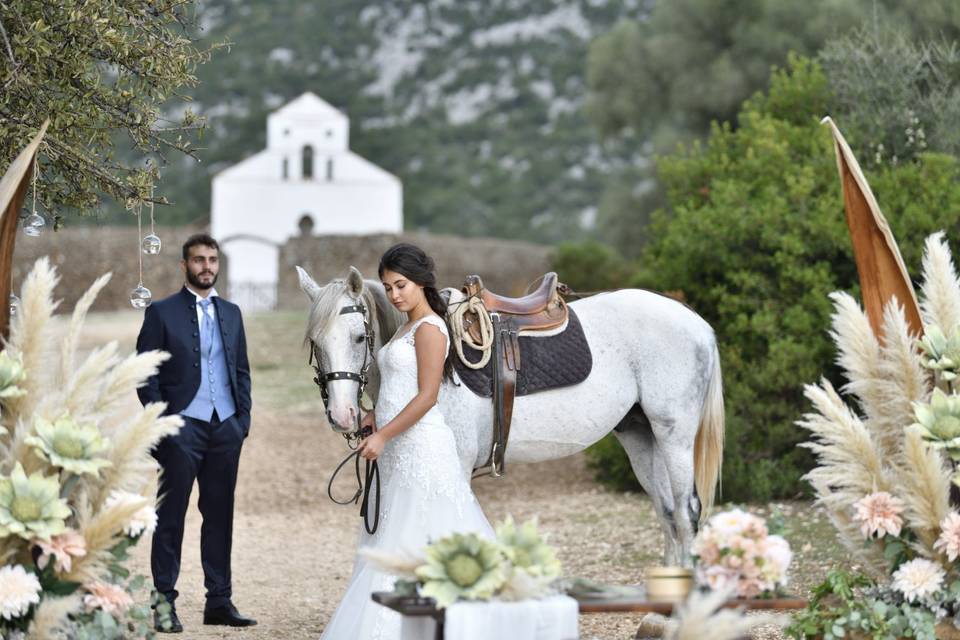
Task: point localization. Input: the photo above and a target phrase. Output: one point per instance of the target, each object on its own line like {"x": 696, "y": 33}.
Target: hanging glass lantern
{"x": 14, "y": 304}
{"x": 151, "y": 244}
{"x": 34, "y": 223}
{"x": 140, "y": 297}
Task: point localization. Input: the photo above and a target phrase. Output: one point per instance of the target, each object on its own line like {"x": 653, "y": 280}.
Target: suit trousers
{"x": 208, "y": 452}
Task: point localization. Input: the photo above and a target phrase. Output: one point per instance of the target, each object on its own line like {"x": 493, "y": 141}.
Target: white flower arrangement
{"x": 19, "y": 590}
{"x": 75, "y": 466}
{"x": 143, "y": 520}
{"x": 735, "y": 550}
{"x": 885, "y": 469}
{"x": 465, "y": 566}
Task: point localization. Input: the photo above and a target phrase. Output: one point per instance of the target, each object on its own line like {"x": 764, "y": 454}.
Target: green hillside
{"x": 476, "y": 106}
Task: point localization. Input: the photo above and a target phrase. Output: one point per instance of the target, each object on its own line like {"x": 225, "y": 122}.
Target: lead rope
{"x": 371, "y": 474}
{"x": 474, "y": 304}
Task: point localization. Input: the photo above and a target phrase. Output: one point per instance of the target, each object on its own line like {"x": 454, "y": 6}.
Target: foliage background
{"x": 755, "y": 237}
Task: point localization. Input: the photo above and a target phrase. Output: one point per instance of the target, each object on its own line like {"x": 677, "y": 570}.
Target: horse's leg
{"x": 675, "y": 443}
{"x": 635, "y": 436}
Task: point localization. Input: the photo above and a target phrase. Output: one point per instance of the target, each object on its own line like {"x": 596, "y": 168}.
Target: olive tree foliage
{"x": 893, "y": 96}
{"x": 97, "y": 69}
{"x": 692, "y": 62}
{"x": 695, "y": 61}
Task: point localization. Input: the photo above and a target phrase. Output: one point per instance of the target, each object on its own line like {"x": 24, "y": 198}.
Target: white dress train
{"x": 425, "y": 494}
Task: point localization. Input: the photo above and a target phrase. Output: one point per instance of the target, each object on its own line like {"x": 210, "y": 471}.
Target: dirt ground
{"x": 293, "y": 548}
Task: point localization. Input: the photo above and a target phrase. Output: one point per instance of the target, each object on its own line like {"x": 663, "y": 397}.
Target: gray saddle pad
{"x": 545, "y": 363}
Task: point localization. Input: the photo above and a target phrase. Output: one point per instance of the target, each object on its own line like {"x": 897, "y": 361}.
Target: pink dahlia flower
{"x": 879, "y": 515}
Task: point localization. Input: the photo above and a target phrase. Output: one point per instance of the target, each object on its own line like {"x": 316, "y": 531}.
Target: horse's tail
{"x": 708, "y": 447}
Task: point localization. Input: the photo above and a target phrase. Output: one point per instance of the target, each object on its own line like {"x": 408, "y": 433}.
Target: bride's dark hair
{"x": 415, "y": 265}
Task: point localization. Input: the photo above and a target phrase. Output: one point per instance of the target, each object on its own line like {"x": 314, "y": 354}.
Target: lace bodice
{"x": 397, "y": 361}
{"x": 425, "y": 455}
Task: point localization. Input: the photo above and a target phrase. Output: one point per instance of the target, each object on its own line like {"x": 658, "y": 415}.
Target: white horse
{"x": 655, "y": 383}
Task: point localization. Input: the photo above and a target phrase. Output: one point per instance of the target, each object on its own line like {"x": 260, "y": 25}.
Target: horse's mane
{"x": 386, "y": 319}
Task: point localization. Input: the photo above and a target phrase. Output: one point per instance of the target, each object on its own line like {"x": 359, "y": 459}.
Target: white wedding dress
{"x": 425, "y": 494}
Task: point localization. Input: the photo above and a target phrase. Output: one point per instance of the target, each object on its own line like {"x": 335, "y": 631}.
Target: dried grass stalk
{"x": 903, "y": 380}
{"x": 30, "y": 335}
{"x": 850, "y": 463}
{"x": 129, "y": 454}
{"x": 50, "y": 620}
{"x": 68, "y": 346}
{"x": 702, "y": 616}
{"x": 859, "y": 351}
{"x": 923, "y": 481}
{"x": 941, "y": 290}
{"x": 102, "y": 530}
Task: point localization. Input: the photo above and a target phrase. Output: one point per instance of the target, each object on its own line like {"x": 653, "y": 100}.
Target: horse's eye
{"x": 360, "y": 339}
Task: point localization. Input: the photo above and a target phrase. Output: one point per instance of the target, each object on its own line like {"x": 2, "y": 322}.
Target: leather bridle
{"x": 353, "y": 438}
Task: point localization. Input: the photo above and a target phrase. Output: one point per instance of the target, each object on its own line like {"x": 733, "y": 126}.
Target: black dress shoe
{"x": 171, "y": 625}
{"x": 226, "y": 615}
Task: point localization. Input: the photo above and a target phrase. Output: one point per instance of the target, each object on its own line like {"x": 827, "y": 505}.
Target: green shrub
{"x": 754, "y": 235}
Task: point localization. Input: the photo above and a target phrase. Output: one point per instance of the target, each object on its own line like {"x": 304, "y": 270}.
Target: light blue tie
{"x": 206, "y": 327}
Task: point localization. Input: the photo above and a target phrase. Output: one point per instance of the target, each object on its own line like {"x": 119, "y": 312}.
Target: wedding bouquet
{"x": 465, "y": 566}
{"x": 885, "y": 472}
{"x": 735, "y": 550}
{"x": 77, "y": 482}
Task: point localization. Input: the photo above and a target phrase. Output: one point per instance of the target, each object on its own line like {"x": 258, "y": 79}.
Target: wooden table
{"x": 425, "y": 607}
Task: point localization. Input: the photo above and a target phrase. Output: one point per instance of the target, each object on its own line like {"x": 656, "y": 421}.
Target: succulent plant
{"x": 31, "y": 507}
{"x": 70, "y": 445}
{"x": 462, "y": 566}
{"x": 941, "y": 353}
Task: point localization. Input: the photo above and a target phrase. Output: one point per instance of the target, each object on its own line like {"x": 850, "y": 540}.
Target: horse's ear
{"x": 354, "y": 281}
{"x": 307, "y": 284}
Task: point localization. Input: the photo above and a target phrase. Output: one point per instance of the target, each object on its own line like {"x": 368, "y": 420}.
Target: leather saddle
{"x": 538, "y": 327}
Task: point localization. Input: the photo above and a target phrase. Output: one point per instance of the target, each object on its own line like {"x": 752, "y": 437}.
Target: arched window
{"x": 330, "y": 169}
{"x": 306, "y": 225}
{"x": 286, "y": 168}
{"x": 307, "y": 162}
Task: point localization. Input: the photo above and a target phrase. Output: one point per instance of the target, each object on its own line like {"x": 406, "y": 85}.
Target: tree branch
{"x": 6, "y": 40}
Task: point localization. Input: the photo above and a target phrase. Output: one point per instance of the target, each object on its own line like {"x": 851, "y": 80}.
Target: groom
{"x": 206, "y": 381}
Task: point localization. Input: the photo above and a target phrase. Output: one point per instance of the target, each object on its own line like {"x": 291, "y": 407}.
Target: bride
{"x": 426, "y": 494}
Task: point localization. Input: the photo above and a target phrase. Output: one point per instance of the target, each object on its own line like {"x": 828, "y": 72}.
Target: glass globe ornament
{"x": 33, "y": 224}
{"x": 14, "y": 304}
{"x": 151, "y": 244}
{"x": 140, "y": 297}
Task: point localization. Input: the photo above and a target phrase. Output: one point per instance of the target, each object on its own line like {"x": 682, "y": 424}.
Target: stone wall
{"x": 506, "y": 266}
{"x": 82, "y": 254}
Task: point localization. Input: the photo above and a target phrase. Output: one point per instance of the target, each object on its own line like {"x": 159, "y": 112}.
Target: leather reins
{"x": 371, "y": 474}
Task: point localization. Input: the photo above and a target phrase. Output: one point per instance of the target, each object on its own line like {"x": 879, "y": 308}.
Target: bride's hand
{"x": 372, "y": 447}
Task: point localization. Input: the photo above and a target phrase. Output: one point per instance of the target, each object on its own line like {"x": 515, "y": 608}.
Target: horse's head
{"x": 342, "y": 334}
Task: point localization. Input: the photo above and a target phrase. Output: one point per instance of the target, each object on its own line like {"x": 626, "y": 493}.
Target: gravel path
{"x": 293, "y": 548}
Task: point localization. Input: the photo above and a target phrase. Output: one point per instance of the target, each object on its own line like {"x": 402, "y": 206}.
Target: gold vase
{"x": 669, "y": 584}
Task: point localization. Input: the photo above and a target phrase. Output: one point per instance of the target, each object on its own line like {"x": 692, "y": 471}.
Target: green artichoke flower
{"x": 939, "y": 422}
{"x": 941, "y": 353}
{"x": 31, "y": 507}
{"x": 462, "y": 566}
{"x": 11, "y": 374}
{"x": 70, "y": 445}
{"x": 526, "y": 549}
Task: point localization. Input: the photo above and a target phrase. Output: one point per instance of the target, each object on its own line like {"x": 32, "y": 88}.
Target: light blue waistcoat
{"x": 214, "y": 391}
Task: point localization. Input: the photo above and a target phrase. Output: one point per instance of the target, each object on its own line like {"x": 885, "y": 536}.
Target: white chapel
{"x": 306, "y": 178}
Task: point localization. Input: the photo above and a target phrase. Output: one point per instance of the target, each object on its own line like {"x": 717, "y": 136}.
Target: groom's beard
{"x": 196, "y": 283}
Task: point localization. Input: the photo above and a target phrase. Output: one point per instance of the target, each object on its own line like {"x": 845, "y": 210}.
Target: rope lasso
{"x": 461, "y": 337}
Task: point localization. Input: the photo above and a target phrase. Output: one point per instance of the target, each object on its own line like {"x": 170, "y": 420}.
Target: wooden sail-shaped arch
{"x": 880, "y": 266}
{"x": 13, "y": 190}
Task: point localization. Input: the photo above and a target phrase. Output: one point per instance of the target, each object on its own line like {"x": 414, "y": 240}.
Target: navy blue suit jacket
{"x": 171, "y": 325}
